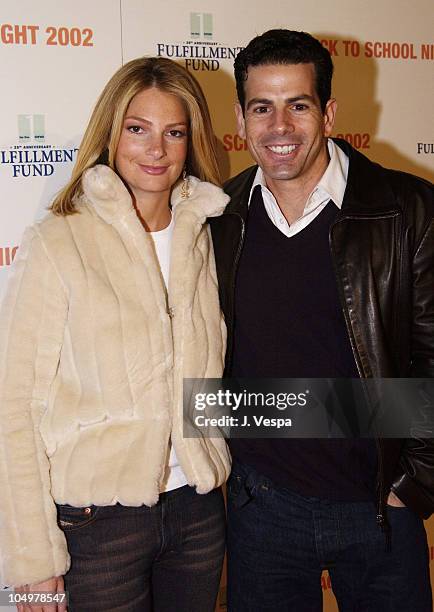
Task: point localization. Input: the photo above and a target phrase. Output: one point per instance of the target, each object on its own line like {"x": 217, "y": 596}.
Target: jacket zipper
{"x": 381, "y": 515}
{"x": 380, "y": 518}
{"x": 232, "y": 287}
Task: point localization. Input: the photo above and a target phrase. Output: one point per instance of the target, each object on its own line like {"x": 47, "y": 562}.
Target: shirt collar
{"x": 333, "y": 182}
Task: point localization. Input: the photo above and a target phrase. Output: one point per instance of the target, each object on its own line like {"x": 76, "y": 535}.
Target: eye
{"x": 177, "y": 133}
{"x": 261, "y": 110}
{"x": 300, "y": 107}
{"x": 134, "y": 129}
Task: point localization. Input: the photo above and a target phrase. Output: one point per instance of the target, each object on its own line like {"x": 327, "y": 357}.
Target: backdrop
{"x": 55, "y": 57}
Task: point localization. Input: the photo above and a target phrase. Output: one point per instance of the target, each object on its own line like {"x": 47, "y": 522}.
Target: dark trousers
{"x": 162, "y": 559}
{"x": 279, "y": 542}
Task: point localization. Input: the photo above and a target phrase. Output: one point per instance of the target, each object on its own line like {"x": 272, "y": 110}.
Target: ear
{"x": 329, "y": 116}
{"x": 241, "y": 122}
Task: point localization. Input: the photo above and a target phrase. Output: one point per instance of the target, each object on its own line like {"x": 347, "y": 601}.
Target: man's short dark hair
{"x": 286, "y": 47}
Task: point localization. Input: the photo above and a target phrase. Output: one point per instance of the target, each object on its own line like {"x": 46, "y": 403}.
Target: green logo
{"x": 201, "y": 25}
{"x": 31, "y": 127}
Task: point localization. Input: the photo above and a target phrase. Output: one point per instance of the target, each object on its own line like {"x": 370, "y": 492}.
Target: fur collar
{"x": 108, "y": 196}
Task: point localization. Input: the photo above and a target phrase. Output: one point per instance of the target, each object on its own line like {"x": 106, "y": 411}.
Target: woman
{"x": 112, "y": 303}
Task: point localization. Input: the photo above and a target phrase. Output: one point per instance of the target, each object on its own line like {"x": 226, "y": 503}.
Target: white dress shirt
{"x": 331, "y": 186}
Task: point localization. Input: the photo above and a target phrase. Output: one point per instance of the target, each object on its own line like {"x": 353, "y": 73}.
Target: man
{"x": 325, "y": 264}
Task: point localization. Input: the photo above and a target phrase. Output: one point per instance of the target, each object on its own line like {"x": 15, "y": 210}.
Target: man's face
{"x": 283, "y": 123}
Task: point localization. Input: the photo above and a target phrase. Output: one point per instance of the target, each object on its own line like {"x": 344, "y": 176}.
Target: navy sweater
{"x": 289, "y": 324}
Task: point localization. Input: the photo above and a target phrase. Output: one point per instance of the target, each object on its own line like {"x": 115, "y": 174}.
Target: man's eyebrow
{"x": 300, "y": 98}
{"x": 266, "y": 101}
{"x": 253, "y": 101}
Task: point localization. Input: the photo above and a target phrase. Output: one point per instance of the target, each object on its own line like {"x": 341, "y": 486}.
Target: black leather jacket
{"x": 382, "y": 246}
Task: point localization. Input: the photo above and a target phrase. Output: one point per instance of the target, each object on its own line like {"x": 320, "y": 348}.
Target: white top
{"x": 174, "y": 477}
{"x": 331, "y": 186}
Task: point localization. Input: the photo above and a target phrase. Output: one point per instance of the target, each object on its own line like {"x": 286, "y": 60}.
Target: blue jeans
{"x": 279, "y": 542}
{"x": 161, "y": 559}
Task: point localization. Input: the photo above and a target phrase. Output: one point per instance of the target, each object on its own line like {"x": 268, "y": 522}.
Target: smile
{"x": 282, "y": 149}
{"x": 155, "y": 170}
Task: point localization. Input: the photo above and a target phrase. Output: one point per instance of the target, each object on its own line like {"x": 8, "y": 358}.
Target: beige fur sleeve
{"x": 32, "y": 324}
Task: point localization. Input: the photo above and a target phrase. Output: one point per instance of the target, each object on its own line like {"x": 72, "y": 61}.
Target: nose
{"x": 155, "y": 146}
{"x": 282, "y": 122}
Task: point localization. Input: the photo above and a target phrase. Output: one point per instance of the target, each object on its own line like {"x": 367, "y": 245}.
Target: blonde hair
{"x": 101, "y": 138}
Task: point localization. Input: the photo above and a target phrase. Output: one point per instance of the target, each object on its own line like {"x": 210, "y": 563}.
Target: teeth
{"x": 282, "y": 150}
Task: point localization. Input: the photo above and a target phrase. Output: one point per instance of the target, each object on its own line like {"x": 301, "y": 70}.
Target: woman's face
{"x": 153, "y": 145}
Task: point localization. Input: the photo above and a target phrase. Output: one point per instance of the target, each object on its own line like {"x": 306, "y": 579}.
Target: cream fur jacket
{"x": 93, "y": 352}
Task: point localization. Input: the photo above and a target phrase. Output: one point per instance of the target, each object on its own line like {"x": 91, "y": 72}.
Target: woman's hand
{"x": 51, "y": 587}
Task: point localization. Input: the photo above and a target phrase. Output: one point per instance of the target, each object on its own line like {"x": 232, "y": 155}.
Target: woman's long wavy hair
{"x": 103, "y": 132}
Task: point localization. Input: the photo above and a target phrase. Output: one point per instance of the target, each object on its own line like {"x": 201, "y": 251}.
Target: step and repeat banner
{"x": 56, "y": 56}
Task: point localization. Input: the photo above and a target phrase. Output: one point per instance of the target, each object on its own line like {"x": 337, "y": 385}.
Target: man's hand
{"x": 51, "y": 587}
{"x": 393, "y": 500}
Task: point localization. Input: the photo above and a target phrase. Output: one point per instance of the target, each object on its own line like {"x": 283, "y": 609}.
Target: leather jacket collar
{"x": 367, "y": 191}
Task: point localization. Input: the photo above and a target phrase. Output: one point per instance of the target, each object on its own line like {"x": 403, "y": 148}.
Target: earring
{"x": 185, "y": 189}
